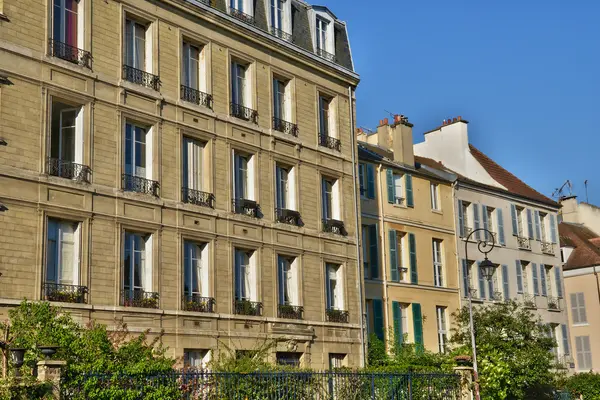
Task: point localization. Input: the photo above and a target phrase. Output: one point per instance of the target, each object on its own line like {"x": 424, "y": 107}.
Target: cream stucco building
{"x": 186, "y": 166}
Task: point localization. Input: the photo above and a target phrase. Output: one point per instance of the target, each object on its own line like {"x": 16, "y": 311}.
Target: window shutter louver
{"x": 373, "y": 251}
{"x": 281, "y": 286}
{"x": 393, "y": 239}
{"x": 538, "y": 231}
{"x": 534, "y": 275}
{"x": 461, "y": 219}
{"x": 378, "y": 318}
{"x": 515, "y": 224}
{"x": 391, "y": 195}
{"x": 324, "y": 205}
{"x": 397, "y": 315}
{"x": 501, "y": 237}
{"x": 553, "y": 234}
{"x": 481, "y": 281}
{"x": 328, "y": 293}
{"x": 558, "y": 281}
{"x": 484, "y": 221}
{"x": 465, "y": 277}
{"x": 418, "y": 325}
{"x": 505, "y": 282}
{"x": 543, "y": 279}
{"x": 370, "y": 181}
{"x": 476, "y": 220}
{"x": 574, "y": 308}
{"x": 530, "y": 224}
{"x": 565, "y": 339}
{"x": 412, "y": 245}
{"x": 519, "y": 276}
{"x": 410, "y": 202}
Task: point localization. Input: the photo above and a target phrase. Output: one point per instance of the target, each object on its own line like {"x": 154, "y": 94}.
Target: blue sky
{"x": 525, "y": 73}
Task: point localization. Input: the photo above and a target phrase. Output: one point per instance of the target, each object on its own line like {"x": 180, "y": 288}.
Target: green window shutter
{"x": 391, "y": 190}
{"x": 397, "y": 315}
{"x": 370, "y": 181}
{"x": 418, "y": 325}
{"x": 378, "y": 318}
{"x": 410, "y": 202}
{"x": 373, "y": 252}
{"x": 394, "y": 255}
{"x": 412, "y": 247}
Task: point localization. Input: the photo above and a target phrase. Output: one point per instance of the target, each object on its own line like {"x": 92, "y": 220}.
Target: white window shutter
{"x": 335, "y": 200}
{"x": 252, "y": 274}
{"x": 250, "y": 178}
{"x": 204, "y": 283}
{"x": 339, "y": 288}
{"x": 294, "y": 283}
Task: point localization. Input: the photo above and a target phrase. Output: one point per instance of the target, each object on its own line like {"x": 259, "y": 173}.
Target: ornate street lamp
{"x": 487, "y": 268}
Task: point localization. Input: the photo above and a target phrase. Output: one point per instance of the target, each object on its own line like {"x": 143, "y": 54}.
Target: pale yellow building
{"x": 184, "y": 166}
{"x": 409, "y": 247}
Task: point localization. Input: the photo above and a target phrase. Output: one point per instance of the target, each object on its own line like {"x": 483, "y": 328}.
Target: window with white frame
{"x": 138, "y": 153}
{"x": 193, "y": 70}
{"x": 196, "y": 358}
{"x": 240, "y": 84}
{"x": 327, "y": 124}
{"x": 288, "y": 283}
{"x": 137, "y": 265}
{"x": 246, "y": 278}
{"x": 282, "y": 104}
{"x": 398, "y": 189}
{"x": 67, "y": 29}
{"x": 193, "y": 162}
{"x": 285, "y": 187}
{"x": 434, "y": 192}
{"x": 324, "y": 37}
{"x": 438, "y": 267}
{"x": 334, "y": 287}
{"x": 442, "y": 329}
{"x": 195, "y": 270}
{"x": 578, "y": 312}
{"x": 403, "y": 256}
{"x": 280, "y": 13}
{"x": 465, "y": 205}
{"x": 138, "y": 45}
{"x": 330, "y": 201}
{"x": 584, "y": 353}
{"x": 63, "y": 252}
{"x": 243, "y": 176}
{"x": 66, "y": 140}
{"x": 322, "y": 28}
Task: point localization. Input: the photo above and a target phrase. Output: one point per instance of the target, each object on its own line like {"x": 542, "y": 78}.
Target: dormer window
{"x": 324, "y": 38}
{"x": 242, "y": 10}
{"x": 280, "y": 10}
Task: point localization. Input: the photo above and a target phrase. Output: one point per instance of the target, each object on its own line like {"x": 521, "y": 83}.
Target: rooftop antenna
{"x": 558, "y": 193}
{"x": 391, "y": 114}
{"x": 586, "y": 192}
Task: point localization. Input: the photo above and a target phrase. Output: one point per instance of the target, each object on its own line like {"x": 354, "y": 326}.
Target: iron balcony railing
{"x": 553, "y": 303}
{"x": 197, "y": 197}
{"x": 138, "y": 184}
{"x": 281, "y": 34}
{"x": 290, "y": 312}
{"x": 334, "y": 226}
{"x": 70, "y": 53}
{"x": 326, "y": 55}
{"x": 195, "y": 302}
{"x": 529, "y": 300}
{"x": 140, "y": 77}
{"x": 196, "y": 96}
{"x": 524, "y": 243}
{"x": 65, "y": 293}
{"x": 330, "y": 142}
{"x": 245, "y": 113}
{"x": 334, "y": 315}
{"x": 242, "y": 16}
{"x": 139, "y": 298}
{"x": 466, "y": 231}
{"x": 246, "y": 207}
{"x": 547, "y": 248}
{"x": 490, "y": 237}
{"x": 498, "y": 296}
{"x": 473, "y": 293}
{"x": 286, "y": 216}
{"x": 69, "y": 170}
{"x": 285, "y": 126}
{"x": 247, "y": 307}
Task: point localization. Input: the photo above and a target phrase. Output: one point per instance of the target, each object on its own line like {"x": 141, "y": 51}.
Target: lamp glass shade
{"x": 487, "y": 269}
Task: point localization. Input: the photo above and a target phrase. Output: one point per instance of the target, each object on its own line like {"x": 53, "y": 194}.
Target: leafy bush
{"x": 586, "y": 384}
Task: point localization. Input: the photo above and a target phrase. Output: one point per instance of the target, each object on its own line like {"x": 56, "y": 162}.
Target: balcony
{"x": 547, "y": 248}
{"x": 196, "y": 96}
{"x": 246, "y": 207}
{"x": 330, "y": 142}
{"x": 339, "y": 316}
{"x": 466, "y": 232}
{"x": 70, "y": 53}
{"x": 491, "y": 237}
{"x": 290, "y": 312}
{"x": 140, "y": 77}
{"x": 285, "y": 127}
{"x": 197, "y": 197}
{"x": 247, "y": 307}
{"x": 524, "y": 243}
{"x": 553, "y": 303}
{"x": 139, "y": 298}
{"x": 498, "y": 297}
{"x": 133, "y": 183}
{"x": 286, "y": 216}
{"x": 529, "y": 300}
{"x": 334, "y": 226}
{"x": 245, "y": 113}
{"x": 68, "y": 170}
{"x": 281, "y": 34}
{"x": 326, "y": 55}
{"x": 242, "y": 16}
{"x": 65, "y": 293}
{"x": 197, "y": 303}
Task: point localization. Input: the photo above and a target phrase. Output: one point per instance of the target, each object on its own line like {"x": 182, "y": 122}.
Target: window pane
{"x": 58, "y": 21}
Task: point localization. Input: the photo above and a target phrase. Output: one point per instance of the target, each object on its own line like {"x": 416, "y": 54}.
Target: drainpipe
{"x": 357, "y": 225}
{"x": 597, "y": 283}
{"x": 383, "y": 253}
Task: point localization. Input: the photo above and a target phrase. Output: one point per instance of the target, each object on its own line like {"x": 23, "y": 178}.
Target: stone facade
{"x": 104, "y": 211}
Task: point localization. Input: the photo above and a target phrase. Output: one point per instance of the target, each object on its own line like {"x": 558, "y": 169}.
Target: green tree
{"x": 513, "y": 351}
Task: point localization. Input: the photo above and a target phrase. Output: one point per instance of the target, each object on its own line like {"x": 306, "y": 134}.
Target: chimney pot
{"x": 459, "y": 118}
{"x": 397, "y": 118}
{"x": 454, "y": 119}
{"x": 385, "y": 121}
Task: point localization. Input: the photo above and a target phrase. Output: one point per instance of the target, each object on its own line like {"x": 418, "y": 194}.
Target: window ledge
{"x": 59, "y": 62}
{"x": 437, "y": 211}
{"x": 140, "y": 89}
{"x": 581, "y": 324}
{"x": 326, "y": 150}
{"x": 285, "y": 137}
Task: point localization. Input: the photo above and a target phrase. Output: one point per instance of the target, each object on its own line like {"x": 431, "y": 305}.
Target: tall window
{"x": 520, "y": 221}
{"x": 191, "y": 66}
{"x": 584, "y": 353}
{"x": 327, "y": 200}
{"x": 438, "y": 269}
{"x": 434, "y": 193}
{"x": 543, "y": 234}
{"x": 399, "y": 198}
{"x": 441, "y": 326}
{"x": 135, "y": 45}
{"x": 137, "y": 157}
{"x": 243, "y": 176}
{"x": 578, "y": 312}
{"x": 362, "y": 178}
{"x": 324, "y": 105}
{"x": 336, "y": 360}
{"x": 193, "y": 151}
{"x": 195, "y": 270}
{"x": 279, "y": 99}
{"x": 277, "y": 14}
{"x": 65, "y": 22}
{"x": 66, "y": 140}
{"x": 245, "y": 275}
{"x": 239, "y": 84}
{"x": 322, "y": 26}
{"x": 285, "y": 187}
{"x": 137, "y": 266}
{"x": 288, "y": 281}
{"x": 488, "y": 218}
{"x": 334, "y": 287}
{"x": 289, "y": 359}
{"x": 63, "y": 252}
{"x": 196, "y": 358}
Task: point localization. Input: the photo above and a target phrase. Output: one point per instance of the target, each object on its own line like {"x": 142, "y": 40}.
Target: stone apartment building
{"x": 409, "y": 248}
{"x": 523, "y": 226}
{"x": 186, "y": 166}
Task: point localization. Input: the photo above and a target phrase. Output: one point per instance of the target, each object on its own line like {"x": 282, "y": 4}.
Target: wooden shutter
{"x": 461, "y": 219}
{"x": 543, "y": 279}
{"x": 530, "y": 224}
{"x": 553, "y": 234}
{"x": 505, "y": 282}
{"x": 397, "y": 315}
{"x": 519, "y": 269}
{"x": 565, "y": 339}
{"x": 534, "y": 275}
{"x": 538, "y": 231}
{"x": 481, "y": 279}
{"x": 465, "y": 277}
{"x": 370, "y": 181}
{"x": 558, "y": 281}
{"x": 515, "y": 224}
{"x": 501, "y": 238}
{"x": 378, "y": 318}
{"x": 484, "y": 220}
{"x": 393, "y": 239}
{"x": 412, "y": 246}
{"x": 410, "y": 202}
{"x": 373, "y": 251}
{"x": 391, "y": 190}
{"x": 418, "y": 325}
{"x": 476, "y": 220}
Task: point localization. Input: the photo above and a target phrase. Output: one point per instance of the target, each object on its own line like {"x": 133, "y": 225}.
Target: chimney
{"x": 402, "y": 140}
{"x": 382, "y": 137}
{"x": 569, "y": 209}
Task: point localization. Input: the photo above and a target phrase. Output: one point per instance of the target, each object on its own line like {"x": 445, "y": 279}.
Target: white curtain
{"x": 147, "y": 265}
{"x": 67, "y": 232}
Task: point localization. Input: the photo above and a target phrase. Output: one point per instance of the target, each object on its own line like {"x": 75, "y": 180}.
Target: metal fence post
{"x": 410, "y": 386}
